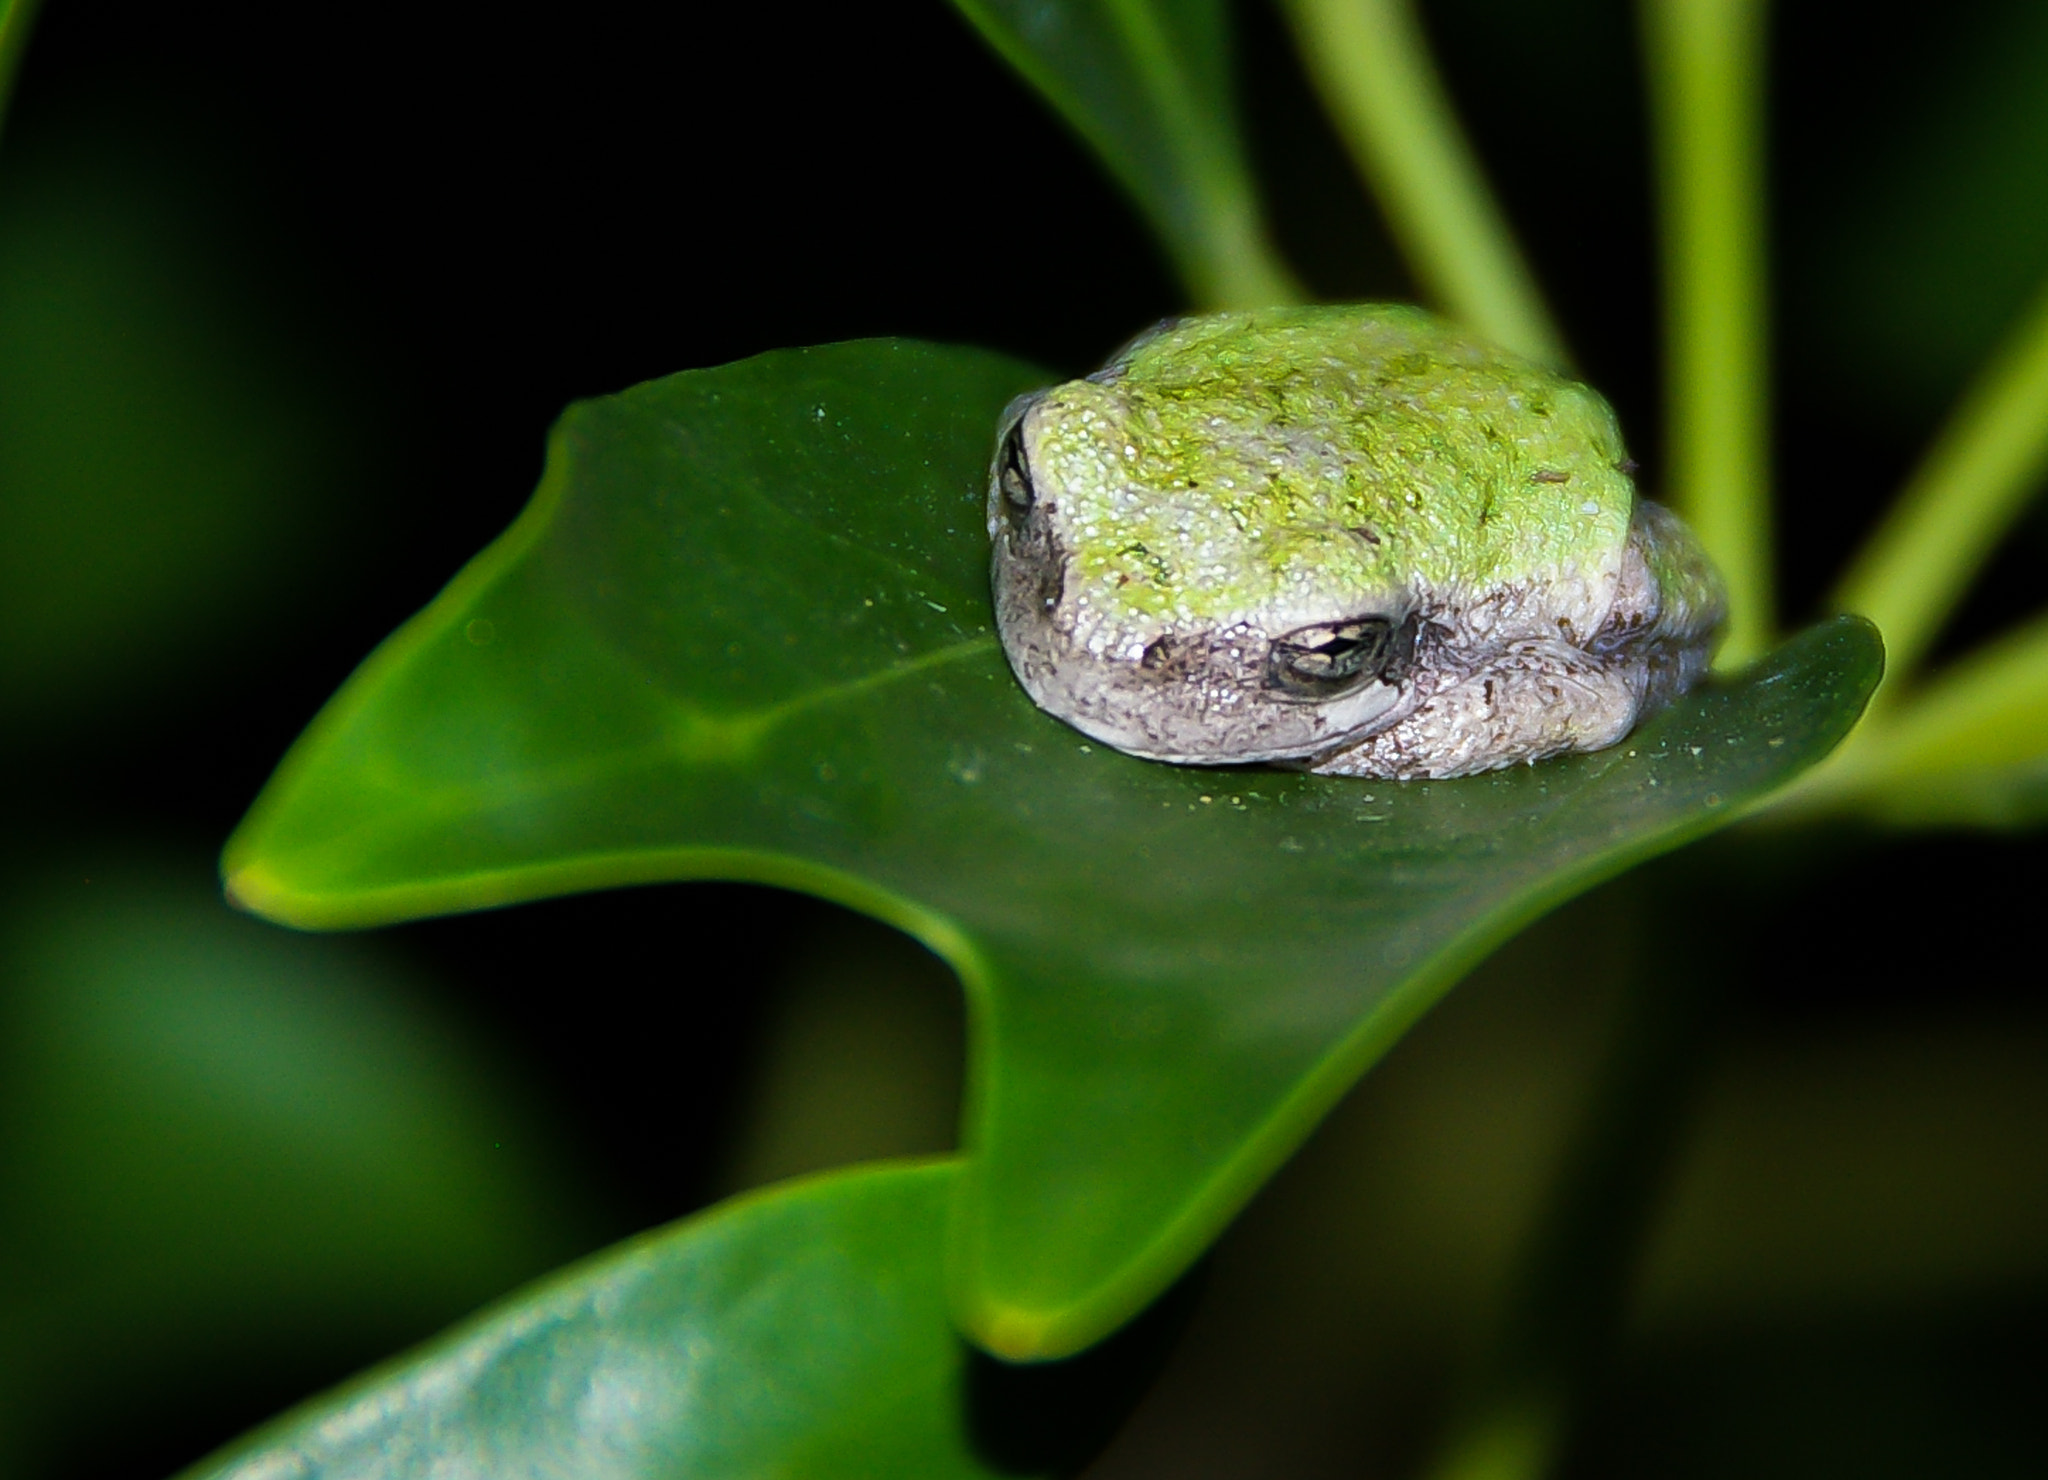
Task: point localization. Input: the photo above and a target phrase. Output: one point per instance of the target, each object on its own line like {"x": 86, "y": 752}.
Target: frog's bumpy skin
{"x": 1167, "y": 529}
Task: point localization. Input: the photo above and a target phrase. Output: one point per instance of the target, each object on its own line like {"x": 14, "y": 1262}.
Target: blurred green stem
{"x": 1370, "y": 63}
{"x": 1705, "y": 62}
{"x": 1987, "y": 711}
{"x": 1974, "y": 482}
{"x": 1232, "y": 262}
{"x": 1579, "y": 1265}
{"x": 1984, "y": 717}
{"x": 17, "y": 18}
{"x": 1147, "y": 85}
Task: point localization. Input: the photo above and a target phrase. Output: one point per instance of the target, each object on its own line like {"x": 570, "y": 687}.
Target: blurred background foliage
{"x": 285, "y": 308}
{"x": 216, "y": 1138}
{"x": 163, "y": 447}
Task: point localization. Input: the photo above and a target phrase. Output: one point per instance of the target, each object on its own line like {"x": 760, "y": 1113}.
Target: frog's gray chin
{"x": 1172, "y": 736}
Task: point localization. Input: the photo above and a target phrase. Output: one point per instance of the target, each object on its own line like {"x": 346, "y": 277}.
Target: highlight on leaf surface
{"x": 799, "y": 1331}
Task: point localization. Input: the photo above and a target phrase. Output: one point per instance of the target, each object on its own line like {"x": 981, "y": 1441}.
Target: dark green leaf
{"x": 800, "y": 1332}
{"x": 743, "y": 632}
{"x": 223, "y": 1145}
{"x": 1147, "y": 83}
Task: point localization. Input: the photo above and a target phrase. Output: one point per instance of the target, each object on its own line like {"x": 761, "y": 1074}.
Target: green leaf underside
{"x": 798, "y": 1332}
{"x": 743, "y": 632}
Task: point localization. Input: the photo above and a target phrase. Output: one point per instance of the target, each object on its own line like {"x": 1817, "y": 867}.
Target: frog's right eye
{"x": 1013, "y": 476}
{"x": 1331, "y": 659}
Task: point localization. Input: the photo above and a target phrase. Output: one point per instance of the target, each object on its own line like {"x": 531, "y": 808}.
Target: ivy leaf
{"x": 743, "y": 631}
{"x": 1147, "y": 84}
{"x": 800, "y": 1331}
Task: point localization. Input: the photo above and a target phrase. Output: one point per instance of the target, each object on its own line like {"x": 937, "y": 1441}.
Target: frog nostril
{"x": 1052, "y": 585}
{"x": 1169, "y": 656}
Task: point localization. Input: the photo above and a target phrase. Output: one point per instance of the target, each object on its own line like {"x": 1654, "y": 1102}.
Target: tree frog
{"x": 1356, "y": 540}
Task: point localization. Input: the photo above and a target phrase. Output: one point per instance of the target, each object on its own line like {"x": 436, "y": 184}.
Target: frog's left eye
{"x": 1333, "y": 658}
{"x": 1013, "y": 476}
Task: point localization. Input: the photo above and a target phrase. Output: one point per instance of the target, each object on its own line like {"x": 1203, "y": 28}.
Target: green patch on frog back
{"x": 1289, "y": 456}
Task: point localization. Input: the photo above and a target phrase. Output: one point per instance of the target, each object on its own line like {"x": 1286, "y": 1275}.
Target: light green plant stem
{"x": 1988, "y": 711}
{"x": 1975, "y": 481}
{"x": 1230, "y": 261}
{"x": 1175, "y": 146}
{"x": 17, "y": 18}
{"x": 1369, "y": 61}
{"x": 1705, "y": 61}
{"x": 1952, "y": 754}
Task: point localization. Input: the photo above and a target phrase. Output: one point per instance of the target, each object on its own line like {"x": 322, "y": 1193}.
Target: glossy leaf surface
{"x": 743, "y": 632}
{"x": 1147, "y": 84}
{"x": 800, "y": 1332}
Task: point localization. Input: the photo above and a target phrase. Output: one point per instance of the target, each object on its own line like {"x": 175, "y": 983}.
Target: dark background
{"x": 380, "y": 257}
